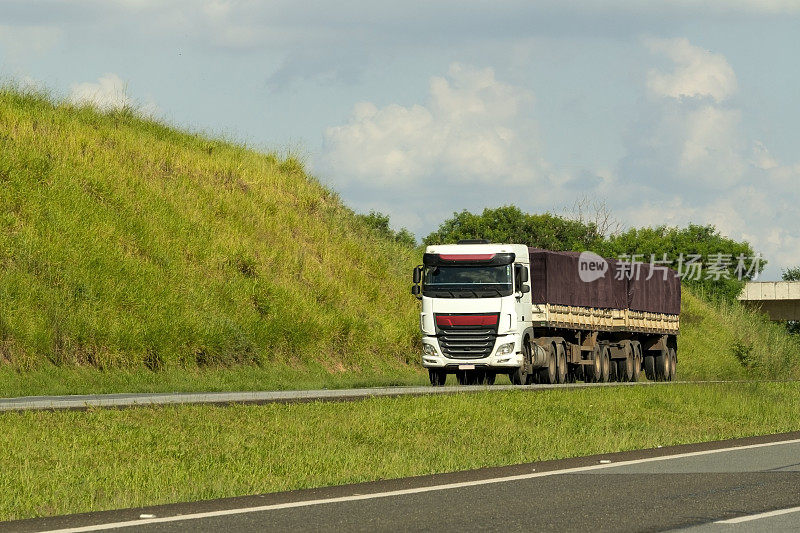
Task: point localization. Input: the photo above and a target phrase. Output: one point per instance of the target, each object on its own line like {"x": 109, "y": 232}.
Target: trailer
{"x": 541, "y": 316}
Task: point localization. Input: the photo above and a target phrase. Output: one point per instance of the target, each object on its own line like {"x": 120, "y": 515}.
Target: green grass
{"x": 724, "y": 340}
{"x": 125, "y": 244}
{"x": 86, "y": 380}
{"x": 63, "y": 462}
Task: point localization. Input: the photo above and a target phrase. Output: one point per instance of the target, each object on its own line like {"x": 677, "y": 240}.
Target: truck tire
{"x": 605, "y": 364}
{"x": 673, "y": 363}
{"x": 592, "y": 373}
{"x": 549, "y": 374}
{"x": 561, "y": 363}
{"x": 625, "y": 366}
{"x": 519, "y": 376}
{"x": 437, "y": 376}
{"x": 637, "y": 361}
{"x": 662, "y": 365}
{"x": 573, "y": 373}
{"x": 649, "y": 367}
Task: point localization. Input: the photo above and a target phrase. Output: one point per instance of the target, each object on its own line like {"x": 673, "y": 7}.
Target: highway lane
{"x": 753, "y": 482}
{"x": 28, "y": 403}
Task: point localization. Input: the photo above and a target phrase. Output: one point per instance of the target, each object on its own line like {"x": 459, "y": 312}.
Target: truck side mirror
{"x": 417, "y": 274}
{"x": 415, "y": 290}
{"x": 525, "y": 288}
{"x": 525, "y": 276}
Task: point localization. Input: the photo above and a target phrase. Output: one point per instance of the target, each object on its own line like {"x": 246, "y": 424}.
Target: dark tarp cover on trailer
{"x": 555, "y": 279}
{"x": 659, "y": 294}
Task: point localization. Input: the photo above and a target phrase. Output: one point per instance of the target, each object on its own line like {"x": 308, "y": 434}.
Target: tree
{"x": 379, "y": 223}
{"x": 719, "y": 256}
{"x": 792, "y": 274}
{"x": 509, "y": 224}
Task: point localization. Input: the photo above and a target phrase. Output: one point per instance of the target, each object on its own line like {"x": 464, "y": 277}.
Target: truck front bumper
{"x": 433, "y": 357}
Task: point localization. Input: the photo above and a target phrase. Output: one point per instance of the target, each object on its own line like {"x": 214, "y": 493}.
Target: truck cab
{"x": 476, "y": 310}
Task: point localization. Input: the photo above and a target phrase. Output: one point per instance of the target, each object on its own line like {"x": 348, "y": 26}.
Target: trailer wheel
{"x": 437, "y": 376}
{"x": 649, "y": 367}
{"x": 606, "y": 363}
{"x": 637, "y": 361}
{"x": 662, "y": 365}
{"x": 592, "y": 373}
{"x": 673, "y": 363}
{"x": 572, "y": 372}
{"x": 561, "y": 363}
{"x": 625, "y": 366}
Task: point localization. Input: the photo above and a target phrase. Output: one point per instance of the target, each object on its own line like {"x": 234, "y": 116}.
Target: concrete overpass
{"x": 779, "y": 299}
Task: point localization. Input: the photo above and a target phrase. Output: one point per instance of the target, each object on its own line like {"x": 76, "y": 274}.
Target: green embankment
{"x": 129, "y": 247}
{"x": 724, "y": 340}
{"x": 137, "y": 257}
{"x": 62, "y": 462}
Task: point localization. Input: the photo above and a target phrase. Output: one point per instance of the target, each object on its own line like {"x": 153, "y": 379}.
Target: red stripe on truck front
{"x": 466, "y": 320}
{"x": 467, "y": 257}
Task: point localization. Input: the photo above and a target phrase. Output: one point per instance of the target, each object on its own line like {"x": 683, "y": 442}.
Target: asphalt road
{"x": 744, "y": 485}
{"x": 28, "y": 403}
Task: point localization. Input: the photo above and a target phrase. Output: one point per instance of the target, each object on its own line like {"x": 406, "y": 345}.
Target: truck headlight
{"x": 505, "y": 349}
{"x": 428, "y": 349}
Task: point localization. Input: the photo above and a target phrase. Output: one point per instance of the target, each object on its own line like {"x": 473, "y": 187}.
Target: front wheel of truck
{"x": 437, "y": 376}
{"x": 519, "y": 376}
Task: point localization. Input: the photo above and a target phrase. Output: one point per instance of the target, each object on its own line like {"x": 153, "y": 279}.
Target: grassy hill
{"x": 724, "y": 340}
{"x": 134, "y": 256}
{"x": 125, "y": 244}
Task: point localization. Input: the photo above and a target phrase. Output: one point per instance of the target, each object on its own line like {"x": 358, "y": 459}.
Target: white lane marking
{"x": 758, "y": 516}
{"x": 401, "y": 492}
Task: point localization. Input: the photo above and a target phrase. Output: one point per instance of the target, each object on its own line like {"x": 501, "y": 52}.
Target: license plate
{"x": 466, "y": 367}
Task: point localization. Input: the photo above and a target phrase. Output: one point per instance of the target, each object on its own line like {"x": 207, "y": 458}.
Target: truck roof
{"x": 520, "y": 250}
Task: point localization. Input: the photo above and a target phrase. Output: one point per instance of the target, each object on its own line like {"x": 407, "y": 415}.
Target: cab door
{"x": 522, "y": 295}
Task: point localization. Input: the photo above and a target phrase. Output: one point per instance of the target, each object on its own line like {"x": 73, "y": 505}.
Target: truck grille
{"x": 467, "y": 341}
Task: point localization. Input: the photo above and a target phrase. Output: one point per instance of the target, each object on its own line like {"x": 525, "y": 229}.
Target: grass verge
{"x": 66, "y": 462}
{"x": 53, "y": 381}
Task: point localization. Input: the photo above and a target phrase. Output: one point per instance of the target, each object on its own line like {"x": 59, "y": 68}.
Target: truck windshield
{"x": 467, "y": 281}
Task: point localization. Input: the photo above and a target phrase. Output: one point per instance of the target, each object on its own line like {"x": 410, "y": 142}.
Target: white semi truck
{"x": 540, "y": 316}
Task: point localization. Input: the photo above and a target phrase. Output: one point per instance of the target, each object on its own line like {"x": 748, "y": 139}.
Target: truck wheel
{"x": 673, "y": 363}
{"x": 625, "y": 366}
{"x": 606, "y": 363}
{"x": 637, "y": 362}
{"x": 592, "y": 373}
{"x": 438, "y": 376}
{"x": 649, "y": 367}
{"x": 548, "y": 374}
{"x": 561, "y": 364}
{"x": 519, "y": 376}
{"x": 662, "y": 365}
{"x": 572, "y": 373}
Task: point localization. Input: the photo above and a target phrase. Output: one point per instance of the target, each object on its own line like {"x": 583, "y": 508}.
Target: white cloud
{"x": 468, "y": 132}
{"x": 107, "y": 93}
{"x": 697, "y": 72}
{"x": 711, "y": 145}
{"x": 110, "y": 93}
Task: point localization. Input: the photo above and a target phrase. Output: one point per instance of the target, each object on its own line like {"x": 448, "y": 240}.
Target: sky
{"x": 664, "y": 112}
